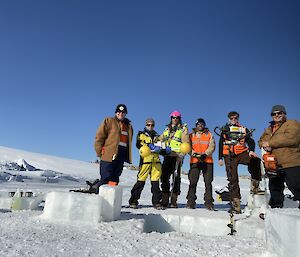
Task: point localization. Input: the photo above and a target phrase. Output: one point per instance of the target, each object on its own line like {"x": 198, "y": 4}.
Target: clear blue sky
{"x": 65, "y": 65}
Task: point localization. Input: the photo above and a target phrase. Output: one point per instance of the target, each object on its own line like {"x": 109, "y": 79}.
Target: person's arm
{"x": 211, "y": 146}
{"x": 101, "y": 135}
{"x": 185, "y": 135}
{"x": 221, "y": 145}
{"x": 250, "y": 141}
{"x": 138, "y": 140}
{"x": 287, "y": 137}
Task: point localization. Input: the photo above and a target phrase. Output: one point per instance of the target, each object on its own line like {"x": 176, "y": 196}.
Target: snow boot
{"x": 236, "y": 206}
{"x": 133, "y": 206}
{"x": 174, "y": 197}
{"x": 190, "y": 205}
{"x": 165, "y": 199}
{"x": 255, "y": 189}
{"x": 159, "y": 207}
{"x": 209, "y": 206}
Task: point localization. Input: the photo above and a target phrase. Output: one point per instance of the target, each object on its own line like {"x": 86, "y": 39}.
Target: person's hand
{"x": 156, "y": 149}
{"x": 203, "y": 157}
{"x": 152, "y": 147}
{"x": 168, "y": 150}
{"x": 220, "y": 162}
{"x": 265, "y": 144}
{"x": 197, "y": 155}
{"x": 252, "y": 154}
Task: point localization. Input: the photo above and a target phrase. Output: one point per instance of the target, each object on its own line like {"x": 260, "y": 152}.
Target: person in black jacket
{"x": 236, "y": 146}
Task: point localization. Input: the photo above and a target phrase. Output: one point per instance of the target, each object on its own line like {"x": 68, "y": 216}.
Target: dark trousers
{"x": 276, "y": 185}
{"x": 194, "y": 174}
{"x": 138, "y": 188}
{"x": 169, "y": 167}
{"x": 232, "y": 162}
{"x": 111, "y": 171}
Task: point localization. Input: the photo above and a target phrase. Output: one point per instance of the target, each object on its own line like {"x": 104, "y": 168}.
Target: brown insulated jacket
{"x": 285, "y": 143}
{"x": 108, "y": 138}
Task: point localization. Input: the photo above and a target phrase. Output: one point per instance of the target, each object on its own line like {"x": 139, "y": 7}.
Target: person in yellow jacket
{"x": 149, "y": 165}
{"x": 282, "y": 139}
{"x": 173, "y": 136}
{"x": 202, "y": 145}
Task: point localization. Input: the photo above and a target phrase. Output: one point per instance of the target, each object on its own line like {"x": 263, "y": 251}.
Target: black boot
{"x": 165, "y": 199}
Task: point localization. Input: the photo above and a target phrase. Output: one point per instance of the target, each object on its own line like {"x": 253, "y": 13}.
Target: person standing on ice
{"x": 282, "y": 139}
{"x": 202, "y": 145}
{"x": 113, "y": 146}
{"x": 174, "y": 135}
{"x": 149, "y": 165}
{"x": 237, "y": 146}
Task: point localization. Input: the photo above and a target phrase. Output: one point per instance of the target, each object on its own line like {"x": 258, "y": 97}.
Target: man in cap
{"x": 202, "y": 145}
{"x": 282, "y": 139}
{"x": 113, "y": 146}
{"x": 237, "y": 146}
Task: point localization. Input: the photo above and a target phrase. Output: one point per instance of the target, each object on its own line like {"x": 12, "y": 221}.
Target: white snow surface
{"x": 26, "y": 233}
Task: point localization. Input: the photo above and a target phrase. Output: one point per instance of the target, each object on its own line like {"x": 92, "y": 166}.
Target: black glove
{"x": 203, "y": 157}
{"x": 197, "y": 155}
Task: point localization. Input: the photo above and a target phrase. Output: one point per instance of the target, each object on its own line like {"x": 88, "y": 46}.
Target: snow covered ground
{"x": 139, "y": 232}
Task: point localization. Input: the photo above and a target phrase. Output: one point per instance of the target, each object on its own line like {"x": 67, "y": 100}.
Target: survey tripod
{"x": 234, "y": 137}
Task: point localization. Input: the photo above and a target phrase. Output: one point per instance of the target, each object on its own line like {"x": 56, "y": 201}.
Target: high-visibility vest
{"x": 238, "y": 148}
{"x": 175, "y": 140}
{"x": 200, "y": 143}
{"x": 123, "y": 135}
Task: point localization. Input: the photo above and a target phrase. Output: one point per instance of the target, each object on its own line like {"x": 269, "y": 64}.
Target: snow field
{"x": 144, "y": 232}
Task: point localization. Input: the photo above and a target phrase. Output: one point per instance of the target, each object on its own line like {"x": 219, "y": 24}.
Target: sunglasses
{"x": 150, "y": 125}
{"x": 175, "y": 117}
{"x": 276, "y": 113}
{"x": 234, "y": 118}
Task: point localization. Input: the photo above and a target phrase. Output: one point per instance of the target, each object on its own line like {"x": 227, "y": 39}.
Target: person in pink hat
{"x": 174, "y": 135}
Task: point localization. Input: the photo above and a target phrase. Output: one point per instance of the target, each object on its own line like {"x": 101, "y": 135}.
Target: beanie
{"x": 279, "y": 108}
{"x": 121, "y": 108}
{"x": 200, "y": 120}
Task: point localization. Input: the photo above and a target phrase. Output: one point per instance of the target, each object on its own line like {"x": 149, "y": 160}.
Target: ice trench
{"x": 210, "y": 224}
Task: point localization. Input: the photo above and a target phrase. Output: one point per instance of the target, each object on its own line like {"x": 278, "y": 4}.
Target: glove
{"x": 168, "y": 150}
{"x": 203, "y": 157}
{"x": 152, "y": 147}
{"x": 196, "y": 155}
{"x": 156, "y": 149}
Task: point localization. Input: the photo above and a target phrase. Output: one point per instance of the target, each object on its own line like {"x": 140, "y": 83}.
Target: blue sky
{"x": 65, "y": 65}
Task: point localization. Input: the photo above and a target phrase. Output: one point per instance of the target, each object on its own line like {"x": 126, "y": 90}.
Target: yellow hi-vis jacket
{"x": 174, "y": 137}
{"x": 149, "y": 164}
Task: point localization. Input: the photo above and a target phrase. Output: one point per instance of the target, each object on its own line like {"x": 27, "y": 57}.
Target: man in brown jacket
{"x": 113, "y": 146}
{"x": 282, "y": 138}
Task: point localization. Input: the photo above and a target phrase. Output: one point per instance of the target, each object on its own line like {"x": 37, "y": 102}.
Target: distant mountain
{"x": 16, "y": 159}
